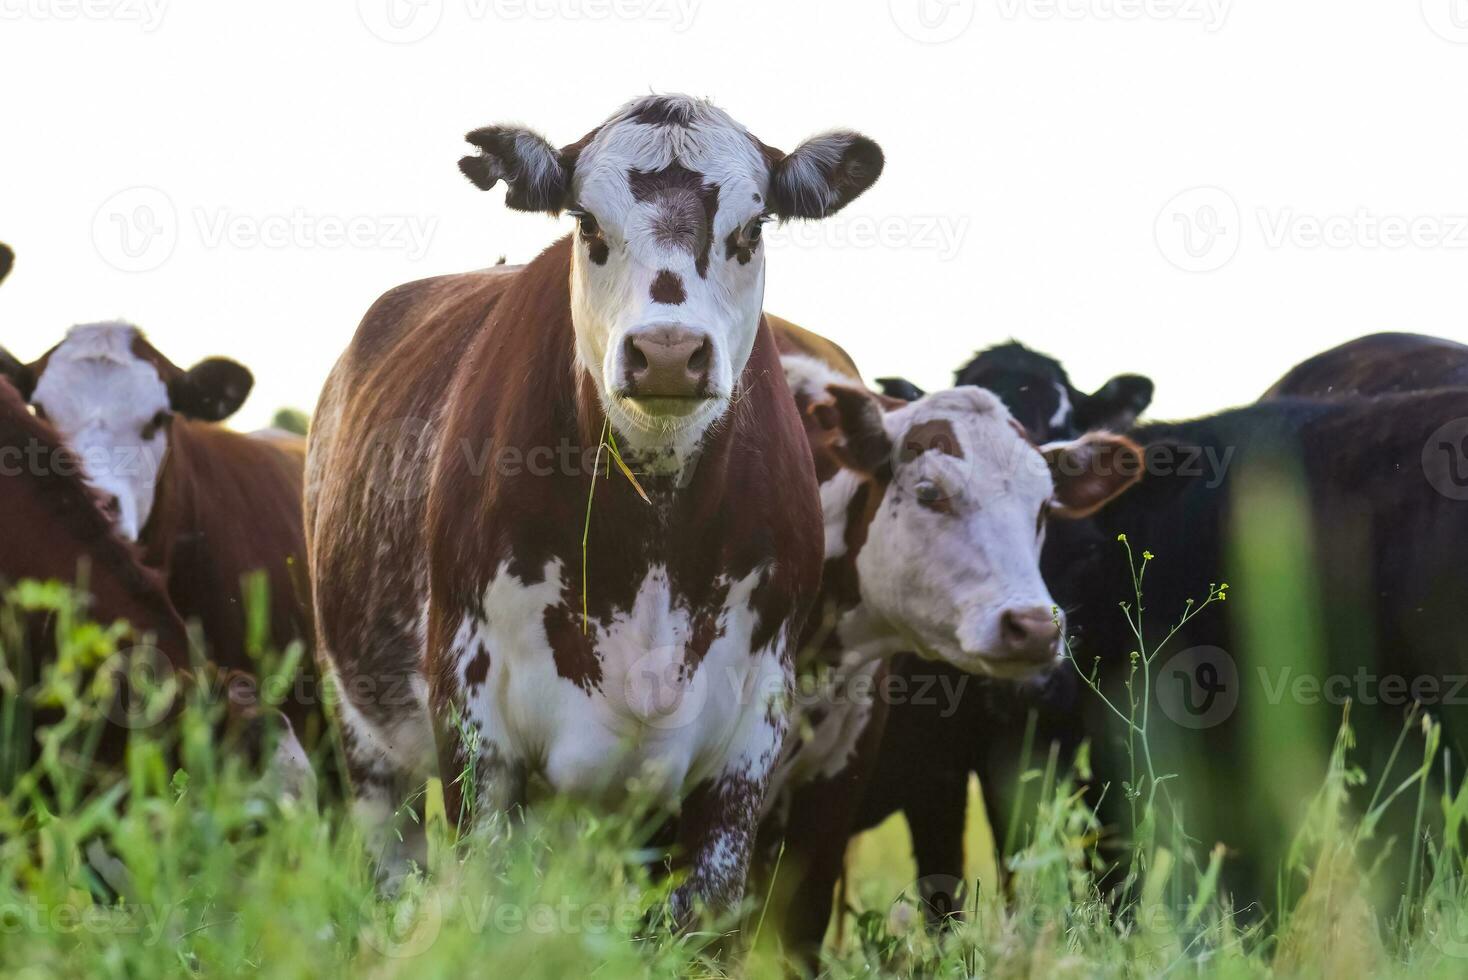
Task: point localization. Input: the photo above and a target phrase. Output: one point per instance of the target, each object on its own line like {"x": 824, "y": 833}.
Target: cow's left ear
{"x": 1116, "y": 404}
{"x": 18, "y": 374}
{"x": 823, "y": 175}
{"x": 1091, "y": 471}
{"x": 537, "y": 176}
{"x": 210, "y": 391}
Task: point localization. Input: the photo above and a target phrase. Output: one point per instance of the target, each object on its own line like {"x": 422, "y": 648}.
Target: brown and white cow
{"x": 53, "y": 529}
{"x": 458, "y": 528}
{"x": 934, "y": 514}
{"x": 207, "y": 506}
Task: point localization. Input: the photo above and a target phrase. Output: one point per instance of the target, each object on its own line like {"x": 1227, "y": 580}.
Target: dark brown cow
{"x": 492, "y": 607}
{"x": 934, "y": 516}
{"x": 207, "y": 506}
{"x": 1378, "y": 364}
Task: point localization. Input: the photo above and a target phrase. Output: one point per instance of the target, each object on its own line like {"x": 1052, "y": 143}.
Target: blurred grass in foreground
{"x": 203, "y": 871}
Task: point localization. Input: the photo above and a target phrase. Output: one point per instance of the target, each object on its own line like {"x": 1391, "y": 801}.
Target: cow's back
{"x": 1378, "y": 364}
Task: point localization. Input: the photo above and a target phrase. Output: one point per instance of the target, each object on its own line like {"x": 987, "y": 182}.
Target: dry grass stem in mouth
{"x": 614, "y": 455}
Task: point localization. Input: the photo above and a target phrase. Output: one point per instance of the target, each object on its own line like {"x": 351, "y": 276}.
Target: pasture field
{"x": 191, "y": 863}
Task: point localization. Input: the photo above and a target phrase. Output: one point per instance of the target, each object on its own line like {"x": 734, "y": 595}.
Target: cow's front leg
{"x": 479, "y": 775}
{"x": 716, "y": 832}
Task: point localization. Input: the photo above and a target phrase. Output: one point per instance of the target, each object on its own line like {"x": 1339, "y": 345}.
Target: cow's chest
{"x": 660, "y": 693}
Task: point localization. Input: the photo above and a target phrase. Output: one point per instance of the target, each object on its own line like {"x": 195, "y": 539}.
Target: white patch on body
{"x": 651, "y": 721}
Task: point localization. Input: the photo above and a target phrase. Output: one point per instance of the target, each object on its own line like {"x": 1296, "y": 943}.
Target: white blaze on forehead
{"x": 102, "y": 396}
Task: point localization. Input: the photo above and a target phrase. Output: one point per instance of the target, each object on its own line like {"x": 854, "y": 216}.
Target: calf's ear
{"x": 22, "y": 376}
{"x": 823, "y": 175}
{"x": 1091, "y": 471}
{"x": 1116, "y": 404}
{"x": 7, "y": 260}
{"x": 210, "y": 391}
{"x": 856, "y": 420}
{"x": 537, "y": 176}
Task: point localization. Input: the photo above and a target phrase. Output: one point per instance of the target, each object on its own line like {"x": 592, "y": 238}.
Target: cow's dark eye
{"x": 754, "y": 230}
{"x": 589, "y": 226}
{"x": 156, "y": 423}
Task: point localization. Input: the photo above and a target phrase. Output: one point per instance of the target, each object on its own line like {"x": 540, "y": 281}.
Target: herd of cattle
{"x": 781, "y": 528}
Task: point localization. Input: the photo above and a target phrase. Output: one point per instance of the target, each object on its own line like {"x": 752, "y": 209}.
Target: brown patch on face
{"x": 667, "y": 288}
{"x": 680, "y": 193}
{"x": 656, "y": 110}
{"x": 937, "y": 434}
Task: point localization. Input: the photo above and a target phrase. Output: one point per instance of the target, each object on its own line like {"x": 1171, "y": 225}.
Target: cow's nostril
{"x": 699, "y": 362}
{"x": 636, "y": 359}
{"x": 112, "y": 506}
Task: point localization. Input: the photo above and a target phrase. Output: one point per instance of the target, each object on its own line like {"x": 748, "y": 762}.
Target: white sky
{"x": 1031, "y": 159}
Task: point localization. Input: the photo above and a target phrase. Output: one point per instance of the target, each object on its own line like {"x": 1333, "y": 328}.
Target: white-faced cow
{"x": 206, "y": 506}
{"x": 934, "y": 515}
{"x": 491, "y": 606}
{"x": 53, "y": 528}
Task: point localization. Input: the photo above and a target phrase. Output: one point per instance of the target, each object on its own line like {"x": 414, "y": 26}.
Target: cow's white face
{"x": 952, "y": 557}
{"x": 667, "y": 275}
{"x": 112, "y": 397}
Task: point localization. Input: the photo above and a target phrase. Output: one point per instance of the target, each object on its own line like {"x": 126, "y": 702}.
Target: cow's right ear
{"x": 210, "y": 391}
{"x": 1116, "y": 404}
{"x": 7, "y": 260}
{"x": 22, "y": 376}
{"x": 1091, "y": 471}
{"x": 856, "y": 418}
{"x": 535, "y": 174}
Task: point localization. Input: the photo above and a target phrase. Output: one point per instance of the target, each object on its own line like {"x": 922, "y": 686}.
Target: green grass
{"x": 188, "y": 863}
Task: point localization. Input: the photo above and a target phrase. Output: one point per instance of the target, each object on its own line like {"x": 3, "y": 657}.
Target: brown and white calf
{"x": 205, "y": 505}
{"x": 934, "y": 515}
{"x": 458, "y": 528}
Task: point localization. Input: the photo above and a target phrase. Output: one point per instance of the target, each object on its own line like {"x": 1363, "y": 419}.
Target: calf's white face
{"x": 112, "y": 397}
{"x": 667, "y": 278}
{"x": 952, "y": 556}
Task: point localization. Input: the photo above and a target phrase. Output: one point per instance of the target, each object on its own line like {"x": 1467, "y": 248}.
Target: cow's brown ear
{"x": 7, "y": 260}
{"x": 535, "y": 175}
{"x": 864, "y": 444}
{"x": 210, "y": 391}
{"x": 824, "y": 174}
{"x": 22, "y": 376}
{"x": 1091, "y": 471}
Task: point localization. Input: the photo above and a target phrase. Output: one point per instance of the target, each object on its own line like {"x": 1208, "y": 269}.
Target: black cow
{"x": 1378, "y": 364}
{"x": 1039, "y": 393}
